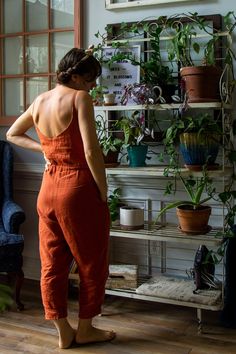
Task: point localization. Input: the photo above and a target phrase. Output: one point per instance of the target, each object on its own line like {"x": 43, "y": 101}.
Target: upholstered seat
{"x": 11, "y": 217}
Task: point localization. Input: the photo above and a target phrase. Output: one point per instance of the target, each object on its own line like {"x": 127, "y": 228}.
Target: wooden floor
{"x": 141, "y": 327}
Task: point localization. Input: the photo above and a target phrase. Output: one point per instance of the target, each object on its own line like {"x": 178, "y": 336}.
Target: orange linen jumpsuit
{"x": 73, "y": 223}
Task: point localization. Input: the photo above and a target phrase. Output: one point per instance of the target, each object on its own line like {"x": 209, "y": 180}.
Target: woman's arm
{"x": 93, "y": 152}
{"x": 16, "y": 133}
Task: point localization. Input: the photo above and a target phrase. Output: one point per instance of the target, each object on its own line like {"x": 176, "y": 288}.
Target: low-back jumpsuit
{"x": 73, "y": 223}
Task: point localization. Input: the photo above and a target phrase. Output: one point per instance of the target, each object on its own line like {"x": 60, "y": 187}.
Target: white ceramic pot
{"x": 109, "y": 98}
{"x": 131, "y": 218}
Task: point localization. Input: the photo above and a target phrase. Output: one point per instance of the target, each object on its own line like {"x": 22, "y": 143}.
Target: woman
{"x": 72, "y": 203}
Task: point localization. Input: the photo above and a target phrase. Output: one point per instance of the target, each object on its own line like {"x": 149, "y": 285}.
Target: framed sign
{"x": 121, "y": 73}
{"x": 119, "y": 4}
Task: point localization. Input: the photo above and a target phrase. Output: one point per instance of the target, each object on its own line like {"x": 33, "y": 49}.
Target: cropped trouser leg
{"x": 55, "y": 264}
{"x": 80, "y": 231}
{"x": 89, "y": 248}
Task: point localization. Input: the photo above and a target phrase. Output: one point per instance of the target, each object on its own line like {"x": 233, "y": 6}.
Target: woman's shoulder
{"x": 83, "y": 96}
{"x": 44, "y": 95}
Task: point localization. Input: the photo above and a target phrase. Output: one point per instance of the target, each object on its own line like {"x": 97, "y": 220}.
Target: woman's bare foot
{"x": 66, "y": 333}
{"x": 86, "y": 333}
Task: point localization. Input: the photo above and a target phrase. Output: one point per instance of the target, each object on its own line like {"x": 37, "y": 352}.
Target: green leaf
{"x": 196, "y": 47}
{"x": 171, "y": 206}
{"x": 224, "y": 196}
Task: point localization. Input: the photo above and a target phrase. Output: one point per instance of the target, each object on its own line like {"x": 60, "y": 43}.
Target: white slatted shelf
{"x": 169, "y": 233}
{"x": 157, "y": 171}
{"x": 164, "y": 106}
{"x": 132, "y": 294}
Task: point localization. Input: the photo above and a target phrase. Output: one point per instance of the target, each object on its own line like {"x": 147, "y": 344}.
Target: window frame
{"x": 127, "y": 4}
{"x": 77, "y": 29}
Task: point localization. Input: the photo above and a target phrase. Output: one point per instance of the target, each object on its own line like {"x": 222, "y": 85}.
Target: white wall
{"x": 29, "y": 165}
{"x": 97, "y": 17}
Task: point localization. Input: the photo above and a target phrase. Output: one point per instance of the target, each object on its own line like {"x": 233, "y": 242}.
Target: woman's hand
{"x": 48, "y": 163}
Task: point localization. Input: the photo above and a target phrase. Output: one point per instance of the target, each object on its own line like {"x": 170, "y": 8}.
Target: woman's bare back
{"x": 52, "y": 111}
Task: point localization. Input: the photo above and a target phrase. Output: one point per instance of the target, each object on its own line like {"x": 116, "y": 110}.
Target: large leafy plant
{"x": 154, "y": 70}
{"x": 201, "y": 124}
{"x": 195, "y": 123}
{"x": 185, "y": 44}
{"x": 198, "y": 190}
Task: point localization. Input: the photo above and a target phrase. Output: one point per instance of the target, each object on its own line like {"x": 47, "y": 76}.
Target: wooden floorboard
{"x": 141, "y": 327}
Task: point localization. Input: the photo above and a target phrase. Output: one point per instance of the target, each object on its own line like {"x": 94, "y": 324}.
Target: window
{"x": 34, "y": 35}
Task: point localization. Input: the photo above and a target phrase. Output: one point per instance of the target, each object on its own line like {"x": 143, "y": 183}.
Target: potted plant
{"x": 198, "y": 136}
{"x": 193, "y": 214}
{"x": 109, "y": 99}
{"x": 97, "y": 93}
{"x": 109, "y": 143}
{"x": 200, "y": 82}
{"x": 134, "y": 130}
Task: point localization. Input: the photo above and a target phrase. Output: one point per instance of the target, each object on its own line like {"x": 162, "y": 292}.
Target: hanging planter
{"x": 137, "y": 155}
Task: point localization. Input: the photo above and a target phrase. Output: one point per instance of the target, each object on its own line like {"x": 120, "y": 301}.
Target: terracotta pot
{"x": 201, "y": 83}
{"x": 194, "y": 221}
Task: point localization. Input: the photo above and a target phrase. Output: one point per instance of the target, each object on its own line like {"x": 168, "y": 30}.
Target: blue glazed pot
{"x": 137, "y": 155}
{"x": 200, "y": 149}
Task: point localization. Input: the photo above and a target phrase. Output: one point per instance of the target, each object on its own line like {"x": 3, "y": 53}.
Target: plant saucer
{"x": 200, "y": 232}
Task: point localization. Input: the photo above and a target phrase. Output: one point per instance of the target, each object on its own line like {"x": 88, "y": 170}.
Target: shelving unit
{"x": 151, "y": 287}
{"x": 166, "y": 234}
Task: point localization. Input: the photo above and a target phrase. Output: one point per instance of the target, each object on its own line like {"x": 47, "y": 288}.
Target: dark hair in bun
{"x": 78, "y": 61}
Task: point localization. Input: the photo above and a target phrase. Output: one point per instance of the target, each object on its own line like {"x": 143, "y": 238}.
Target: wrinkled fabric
{"x": 73, "y": 223}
